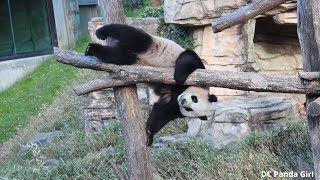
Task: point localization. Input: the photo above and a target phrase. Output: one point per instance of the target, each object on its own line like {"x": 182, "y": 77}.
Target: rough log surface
{"x": 125, "y": 75}
{"x": 134, "y": 133}
{"x": 244, "y": 14}
{"x": 128, "y": 107}
{"x": 309, "y": 36}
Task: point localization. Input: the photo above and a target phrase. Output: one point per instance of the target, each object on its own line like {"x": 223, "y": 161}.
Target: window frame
{"x": 53, "y": 34}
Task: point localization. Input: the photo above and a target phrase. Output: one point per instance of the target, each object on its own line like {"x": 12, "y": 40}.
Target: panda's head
{"x": 196, "y": 102}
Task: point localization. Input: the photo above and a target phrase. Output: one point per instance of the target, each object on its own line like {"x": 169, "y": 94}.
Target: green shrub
{"x": 180, "y": 34}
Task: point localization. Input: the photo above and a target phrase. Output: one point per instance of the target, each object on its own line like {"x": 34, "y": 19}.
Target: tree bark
{"x": 129, "y": 109}
{"x": 112, "y": 11}
{"x": 126, "y": 75}
{"x": 309, "y": 36}
{"x": 244, "y": 14}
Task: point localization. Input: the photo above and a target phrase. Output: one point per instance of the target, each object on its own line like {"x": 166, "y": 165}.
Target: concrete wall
{"x": 14, "y": 70}
{"x": 61, "y": 24}
{"x": 86, "y": 12}
{"x": 66, "y": 14}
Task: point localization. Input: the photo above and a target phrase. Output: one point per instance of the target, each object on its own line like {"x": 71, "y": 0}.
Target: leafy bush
{"x": 150, "y": 11}
{"x": 180, "y": 34}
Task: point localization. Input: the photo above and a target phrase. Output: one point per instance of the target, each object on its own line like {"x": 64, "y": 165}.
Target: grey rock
{"x": 166, "y": 139}
{"x": 157, "y": 145}
{"x": 52, "y": 162}
{"x": 201, "y": 12}
{"x": 233, "y": 120}
{"x": 198, "y": 12}
{"x": 107, "y": 150}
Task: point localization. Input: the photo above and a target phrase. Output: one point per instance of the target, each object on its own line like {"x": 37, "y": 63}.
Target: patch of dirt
{"x": 3, "y": 153}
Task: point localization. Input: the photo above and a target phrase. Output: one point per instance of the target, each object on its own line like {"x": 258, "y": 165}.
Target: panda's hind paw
{"x": 101, "y": 35}
{"x": 149, "y": 138}
{"x": 149, "y": 142}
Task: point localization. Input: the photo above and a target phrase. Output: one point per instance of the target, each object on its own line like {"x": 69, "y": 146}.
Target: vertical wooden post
{"x": 129, "y": 110}
{"x": 309, "y": 36}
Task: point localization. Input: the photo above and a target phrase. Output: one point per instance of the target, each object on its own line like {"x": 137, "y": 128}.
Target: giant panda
{"x": 135, "y": 46}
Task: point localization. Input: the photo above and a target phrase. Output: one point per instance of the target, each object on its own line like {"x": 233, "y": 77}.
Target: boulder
{"x": 233, "y": 120}
{"x": 226, "y": 51}
{"x": 201, "y": 12}
{"x": 278, "y": 58}
{"x": 39, "y": 139}
{"x": 289, "y": 18}
{"x": 198, "y": 12}
{"x": 52, "y": 162}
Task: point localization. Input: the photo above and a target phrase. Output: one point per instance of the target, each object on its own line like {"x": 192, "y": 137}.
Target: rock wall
{"x": 267, "y": 44}
{"x": 198, "y": 12}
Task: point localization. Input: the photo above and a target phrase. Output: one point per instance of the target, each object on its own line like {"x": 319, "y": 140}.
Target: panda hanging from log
{"x": 135, "y": 46}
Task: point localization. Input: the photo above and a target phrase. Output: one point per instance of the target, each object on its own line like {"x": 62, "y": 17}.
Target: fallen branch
{"x": 310, "y": 76}
{"x": 244, "y": 14}
{"x": 126, "y": 75}
{"x": 117, "y": 170}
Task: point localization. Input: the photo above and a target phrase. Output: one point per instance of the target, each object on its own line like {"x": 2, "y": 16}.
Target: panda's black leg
{"x": 114, "y": 55}
{"x": 157, "y": 119}
{"x": 187, "y": 62}
{"x": 129, "y": 37}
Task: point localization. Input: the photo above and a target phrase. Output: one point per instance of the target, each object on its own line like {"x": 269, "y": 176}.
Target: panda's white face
{"x": 194, "y": 102}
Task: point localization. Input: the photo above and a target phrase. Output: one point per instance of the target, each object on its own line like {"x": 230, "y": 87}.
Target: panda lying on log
{"x": 134, "y": 46}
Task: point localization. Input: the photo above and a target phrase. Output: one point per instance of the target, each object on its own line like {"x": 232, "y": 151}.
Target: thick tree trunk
{"x": 244, "y": 14}
{"x": 309, "y": 36}
{"x": 129, "y": 109}
{"x": 112, "y": 11}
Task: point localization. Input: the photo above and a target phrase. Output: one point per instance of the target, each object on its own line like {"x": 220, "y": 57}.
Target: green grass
{"x": 288, "y": 149}
{"x": 33, "y": 93}
{"x": 137, "y": 12}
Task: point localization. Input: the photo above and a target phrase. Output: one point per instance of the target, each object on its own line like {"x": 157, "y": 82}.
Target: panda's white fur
{"x": 190, "y": 108}
{"x": 161, "y": 53}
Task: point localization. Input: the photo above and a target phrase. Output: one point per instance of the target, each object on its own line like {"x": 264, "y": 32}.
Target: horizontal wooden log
{"x": 125, "y": 75}
{"x": 309, "y": 76}
{"x": 244, "y": 14}
{"x": 98, "y": 84}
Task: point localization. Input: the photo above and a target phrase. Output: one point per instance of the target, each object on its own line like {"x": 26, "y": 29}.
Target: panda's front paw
{"x": 89, "y": 50}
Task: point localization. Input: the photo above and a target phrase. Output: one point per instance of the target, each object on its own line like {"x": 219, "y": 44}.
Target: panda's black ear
{"x": 213, "y": 98}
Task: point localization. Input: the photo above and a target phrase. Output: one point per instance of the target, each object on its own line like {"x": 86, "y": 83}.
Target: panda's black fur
{"x": 134, "y": 46}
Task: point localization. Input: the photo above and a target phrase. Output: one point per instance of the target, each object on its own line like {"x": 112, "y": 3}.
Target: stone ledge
{"x": 233, "y": 120}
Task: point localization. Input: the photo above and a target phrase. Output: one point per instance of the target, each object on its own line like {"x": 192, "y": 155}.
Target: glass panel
{"x": 24, "y": 27}
{"x": 6, "y": 41}
{"x": 30, "y": 25}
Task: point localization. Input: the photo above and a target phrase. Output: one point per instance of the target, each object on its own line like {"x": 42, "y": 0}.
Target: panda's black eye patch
{"x": 194, "y": 99}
